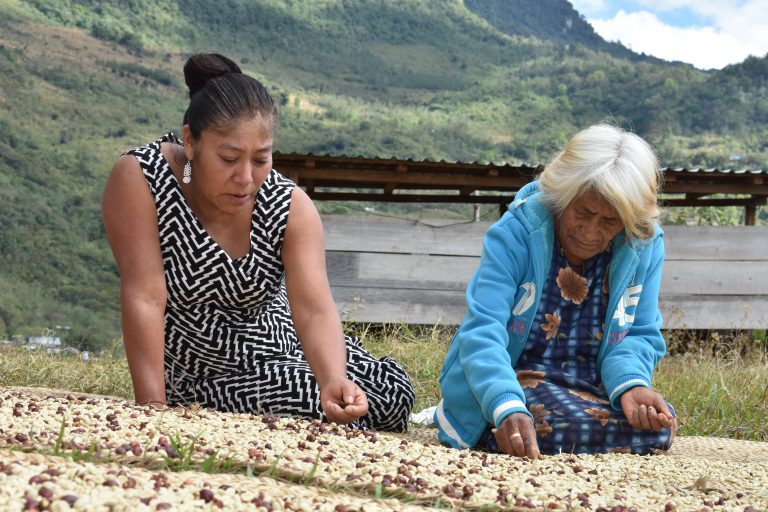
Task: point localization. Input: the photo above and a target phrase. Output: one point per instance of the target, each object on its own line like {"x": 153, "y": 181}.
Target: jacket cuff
{"x": 625, "y": 383}
{"x": 504, "y": 405}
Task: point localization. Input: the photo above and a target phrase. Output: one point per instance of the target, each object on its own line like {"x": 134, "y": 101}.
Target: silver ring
{"x": 516, "y": 434}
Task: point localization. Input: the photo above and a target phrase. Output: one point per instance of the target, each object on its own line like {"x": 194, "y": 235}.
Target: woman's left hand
{"x": 343, "y": 401}
{"x": 646, "y": 409}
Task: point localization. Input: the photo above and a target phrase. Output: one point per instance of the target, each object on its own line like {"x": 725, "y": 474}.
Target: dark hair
{"x": 220, "y": 93}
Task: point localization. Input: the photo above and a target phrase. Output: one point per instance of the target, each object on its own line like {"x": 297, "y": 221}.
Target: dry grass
{"x": 719, "y": 388}
{"x": 98, "y": 375}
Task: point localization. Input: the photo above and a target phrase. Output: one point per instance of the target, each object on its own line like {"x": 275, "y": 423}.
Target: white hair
{"x": 618, "y": 165}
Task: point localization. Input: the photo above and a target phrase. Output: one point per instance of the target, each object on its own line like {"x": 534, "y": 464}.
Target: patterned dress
{"x": 230, "y": 342}
{"x": 559, "y": 374}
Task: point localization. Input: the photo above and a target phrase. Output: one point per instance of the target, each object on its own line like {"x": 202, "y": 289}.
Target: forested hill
{"x": 500, "y": 80}
{"x": 547, "y": 20}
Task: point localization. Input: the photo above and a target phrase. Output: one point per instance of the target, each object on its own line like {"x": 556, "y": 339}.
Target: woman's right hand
{"x": 646, "y": 409}
{"x": 343, "y": 401}
{"x": 517, "y": 436}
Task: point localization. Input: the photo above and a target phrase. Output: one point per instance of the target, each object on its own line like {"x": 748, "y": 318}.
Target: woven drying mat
{"x": 716, "y": 448}
{"x": 61, "y": 393}
{"x": 350, "y": 464}
{"x": 48, "y": 481}
{"x": 698, "y": 447}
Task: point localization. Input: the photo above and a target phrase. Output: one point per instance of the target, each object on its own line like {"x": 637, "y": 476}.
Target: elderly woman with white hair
{"x": 563, "y": 329}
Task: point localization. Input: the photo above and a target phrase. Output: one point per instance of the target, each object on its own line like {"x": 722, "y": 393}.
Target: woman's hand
{"x": 646, "y": 409}
{"x": 517, "y": 436}
{"x": 343, "y": 401}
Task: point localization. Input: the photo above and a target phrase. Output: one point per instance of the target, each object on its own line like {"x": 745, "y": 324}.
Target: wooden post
{"x": 749, "y": 215}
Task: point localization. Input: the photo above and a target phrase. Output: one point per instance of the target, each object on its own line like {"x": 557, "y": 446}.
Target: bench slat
{"x": 722, "y": 243}
{"x": 381, "y": 234}
{"x": 380, "y": 305}
{"x": 454, "y": 272}
{"x": 715, "y": 277}
{"x": 714, "y": 311}
{"x": 392, "y": 270}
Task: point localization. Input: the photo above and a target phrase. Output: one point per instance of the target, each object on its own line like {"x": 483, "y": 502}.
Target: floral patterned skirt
{"x": 579, "y": 419}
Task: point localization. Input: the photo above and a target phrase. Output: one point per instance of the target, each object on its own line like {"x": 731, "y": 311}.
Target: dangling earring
{"x": 187, "y": 172}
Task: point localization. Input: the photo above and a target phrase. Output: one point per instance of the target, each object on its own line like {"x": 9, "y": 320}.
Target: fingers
{"x": 355, "y": 395}
{"x": 633, "y": 415}
{"x": 648, "y": 418}
{"x": 504, "y": 441}
{"x": 654, "y": 418}
{"x": 645, "y": 421}
{"x": 358, "y": 407}
{"x": 531, "y": 445}
{"x": 631, "y": 407}
{"x": 517, "y": 436}
{"x": 661, "y": 405}
{"x": 336, "y": 413}
{"x": 345, "y": 403}
{"x": 659, "y": 419}
{"x": 343, "y": 415}
{"x": 646, "y": 409}
{"x": 664, "y": 416}
{"x": 517, "y": 444}
{"x": 355, "y": 400}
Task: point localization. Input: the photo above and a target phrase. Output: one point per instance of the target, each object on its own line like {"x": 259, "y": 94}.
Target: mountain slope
{"x": 548, "y": 20}
{"x": 81, "y": 81}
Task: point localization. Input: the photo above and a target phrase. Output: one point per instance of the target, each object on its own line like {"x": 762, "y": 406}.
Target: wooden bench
{"x": 385, "y": 270}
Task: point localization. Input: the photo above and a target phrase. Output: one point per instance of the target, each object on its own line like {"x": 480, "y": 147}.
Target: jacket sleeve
{"x": 632, "y": 361}
{"x": 483, "y": 335}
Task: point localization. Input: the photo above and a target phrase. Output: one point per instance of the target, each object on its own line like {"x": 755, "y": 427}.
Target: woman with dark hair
{"x": 224, "y": 295}
{"x": 563, "y": 329}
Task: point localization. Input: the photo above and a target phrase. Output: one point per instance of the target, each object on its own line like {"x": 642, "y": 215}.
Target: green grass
{"x": 718, "y": 387}
{"x": 420, "y": 351}
{"x": 99, "y": 375}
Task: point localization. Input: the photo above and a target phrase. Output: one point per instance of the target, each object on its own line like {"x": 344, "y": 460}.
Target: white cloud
{"x": 737, "y": 31}
{"x": 709, "y": 8}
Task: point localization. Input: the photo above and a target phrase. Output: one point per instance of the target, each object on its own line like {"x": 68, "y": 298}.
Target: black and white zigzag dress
{"x": 230, "y": 342}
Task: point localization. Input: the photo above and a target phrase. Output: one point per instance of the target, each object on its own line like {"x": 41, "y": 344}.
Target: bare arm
{"x": 314, "y": 312}
{"x": 130, "y": 221}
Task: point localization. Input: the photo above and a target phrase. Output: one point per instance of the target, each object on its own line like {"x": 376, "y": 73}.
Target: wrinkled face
{"x": 229, "y": 165}
{"x": 586, "y": 227}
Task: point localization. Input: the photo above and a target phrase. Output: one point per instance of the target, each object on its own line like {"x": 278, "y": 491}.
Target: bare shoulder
{"x": 304, "y": 232}
{"x": 126, "y": 186}
{"x": 130, "y": 216}
{"x": 303, "y": 216}
{"x": 125, "y": 170}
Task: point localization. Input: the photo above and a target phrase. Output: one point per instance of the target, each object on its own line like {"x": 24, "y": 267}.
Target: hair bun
{"x": 201, "y": 67}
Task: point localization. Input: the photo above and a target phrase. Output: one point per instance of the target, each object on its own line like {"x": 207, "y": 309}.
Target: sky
{"x": 710, "y": 34}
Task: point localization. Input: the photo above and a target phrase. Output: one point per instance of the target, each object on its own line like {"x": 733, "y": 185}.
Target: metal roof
{"x": 328, "y": 177}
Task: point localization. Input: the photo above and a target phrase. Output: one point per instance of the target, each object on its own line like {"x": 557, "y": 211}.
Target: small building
{"x": 49, "y": 343}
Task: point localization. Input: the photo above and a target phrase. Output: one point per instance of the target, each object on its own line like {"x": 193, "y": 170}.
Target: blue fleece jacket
{"x": 478, "y": 380}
